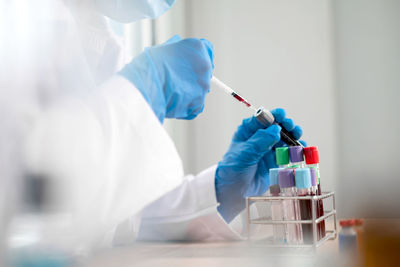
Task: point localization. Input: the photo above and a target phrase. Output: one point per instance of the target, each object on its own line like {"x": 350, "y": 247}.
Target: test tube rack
{"x": 329, "y": 234}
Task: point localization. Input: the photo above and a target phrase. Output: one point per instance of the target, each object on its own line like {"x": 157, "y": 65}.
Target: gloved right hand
{"x": 174, "y": 77}
{"x": 244, "y": 170}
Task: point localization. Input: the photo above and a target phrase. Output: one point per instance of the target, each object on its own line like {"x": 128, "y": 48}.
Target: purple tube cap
{"x": 313, "y": 177}
{"x": 286, "y": 178}
{"x": 296, "y": 153}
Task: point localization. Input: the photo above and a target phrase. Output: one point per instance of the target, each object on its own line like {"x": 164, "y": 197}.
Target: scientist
{"x": 120, "y": 172}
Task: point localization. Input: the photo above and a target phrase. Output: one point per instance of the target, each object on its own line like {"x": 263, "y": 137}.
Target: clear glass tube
{"x": 291, "y": 212}
{"x": 277, "y": 215}
{"x": 320, "y": 203}
{"x": 317, "y": 173}
{"x": 306, "y": 214}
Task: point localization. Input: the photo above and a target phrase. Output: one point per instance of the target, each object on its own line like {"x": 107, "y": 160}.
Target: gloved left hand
{"x": 174, "y": 77}
{"x": 244, "y": 170}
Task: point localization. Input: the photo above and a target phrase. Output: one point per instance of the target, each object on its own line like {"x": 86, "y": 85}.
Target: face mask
{"x": 132, "y": 10}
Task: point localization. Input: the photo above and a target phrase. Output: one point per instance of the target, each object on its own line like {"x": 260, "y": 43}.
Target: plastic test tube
{"x": 282, "y": 156}
{"x": 266, "y": 118}
{"x": 313, "y": 176}
{"x": 296, "y": 156}
{"x": 303, "y": 186}
{"x": 314, "y": 190}
{"x": 311, "y": 156}
{"x": 347, "y": 238}
{"x": 276, "y": 206}
{"x": 286, "y": 183}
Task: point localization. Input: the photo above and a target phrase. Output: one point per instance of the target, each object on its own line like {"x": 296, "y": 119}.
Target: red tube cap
{"x": 311, "y": 155}
{"x": 346, "y": 223}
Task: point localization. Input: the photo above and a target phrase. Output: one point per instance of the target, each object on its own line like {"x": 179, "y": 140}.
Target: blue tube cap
{"x": 273, "y": 176}
{"x": 303, "y": 178}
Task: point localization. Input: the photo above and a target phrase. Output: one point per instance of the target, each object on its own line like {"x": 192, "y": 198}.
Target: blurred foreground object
{"x": 39, "y": 234}
{"x": 381, "y": 243}
{"x": 66, "y": 125}
{"x": 347, "y": 238}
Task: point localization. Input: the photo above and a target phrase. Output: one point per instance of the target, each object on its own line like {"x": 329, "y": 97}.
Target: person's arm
{"x": 207, "y": 206}
{"x": 189, "y": 212}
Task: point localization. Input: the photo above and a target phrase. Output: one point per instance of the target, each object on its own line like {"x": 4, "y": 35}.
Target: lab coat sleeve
{"x": 189, "y": 212}
{"x": 98, "y": 151}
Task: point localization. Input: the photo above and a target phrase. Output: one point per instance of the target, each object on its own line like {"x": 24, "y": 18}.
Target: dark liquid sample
{"x": 306, "y": 214}
{"x": 275, "y": 190}
{"x": 320, "y": 212}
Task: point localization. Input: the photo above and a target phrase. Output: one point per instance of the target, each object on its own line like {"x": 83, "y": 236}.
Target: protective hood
{"x": 126, "y": 11}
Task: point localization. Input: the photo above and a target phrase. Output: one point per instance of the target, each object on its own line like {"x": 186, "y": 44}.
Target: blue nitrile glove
{"x": 244, "y": 170}
{"x": 174, "y": 77}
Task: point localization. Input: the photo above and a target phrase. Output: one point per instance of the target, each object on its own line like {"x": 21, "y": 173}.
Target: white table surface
{"x": 212, "y": 254}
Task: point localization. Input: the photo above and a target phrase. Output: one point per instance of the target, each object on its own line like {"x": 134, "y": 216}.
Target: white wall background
{"x": 368, "y": 75}
{"x": 334, "y": 65}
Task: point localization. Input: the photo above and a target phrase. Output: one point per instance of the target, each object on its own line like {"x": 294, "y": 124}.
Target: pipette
{"x": 230, "y": 91}
{"x": 264, "y": 116}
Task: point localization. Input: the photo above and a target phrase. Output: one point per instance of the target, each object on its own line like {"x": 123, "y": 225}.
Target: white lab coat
{"x": 103, "y": 143}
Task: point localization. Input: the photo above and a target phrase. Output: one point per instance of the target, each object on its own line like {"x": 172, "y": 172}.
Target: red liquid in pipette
{"x": 241, "y": 99}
